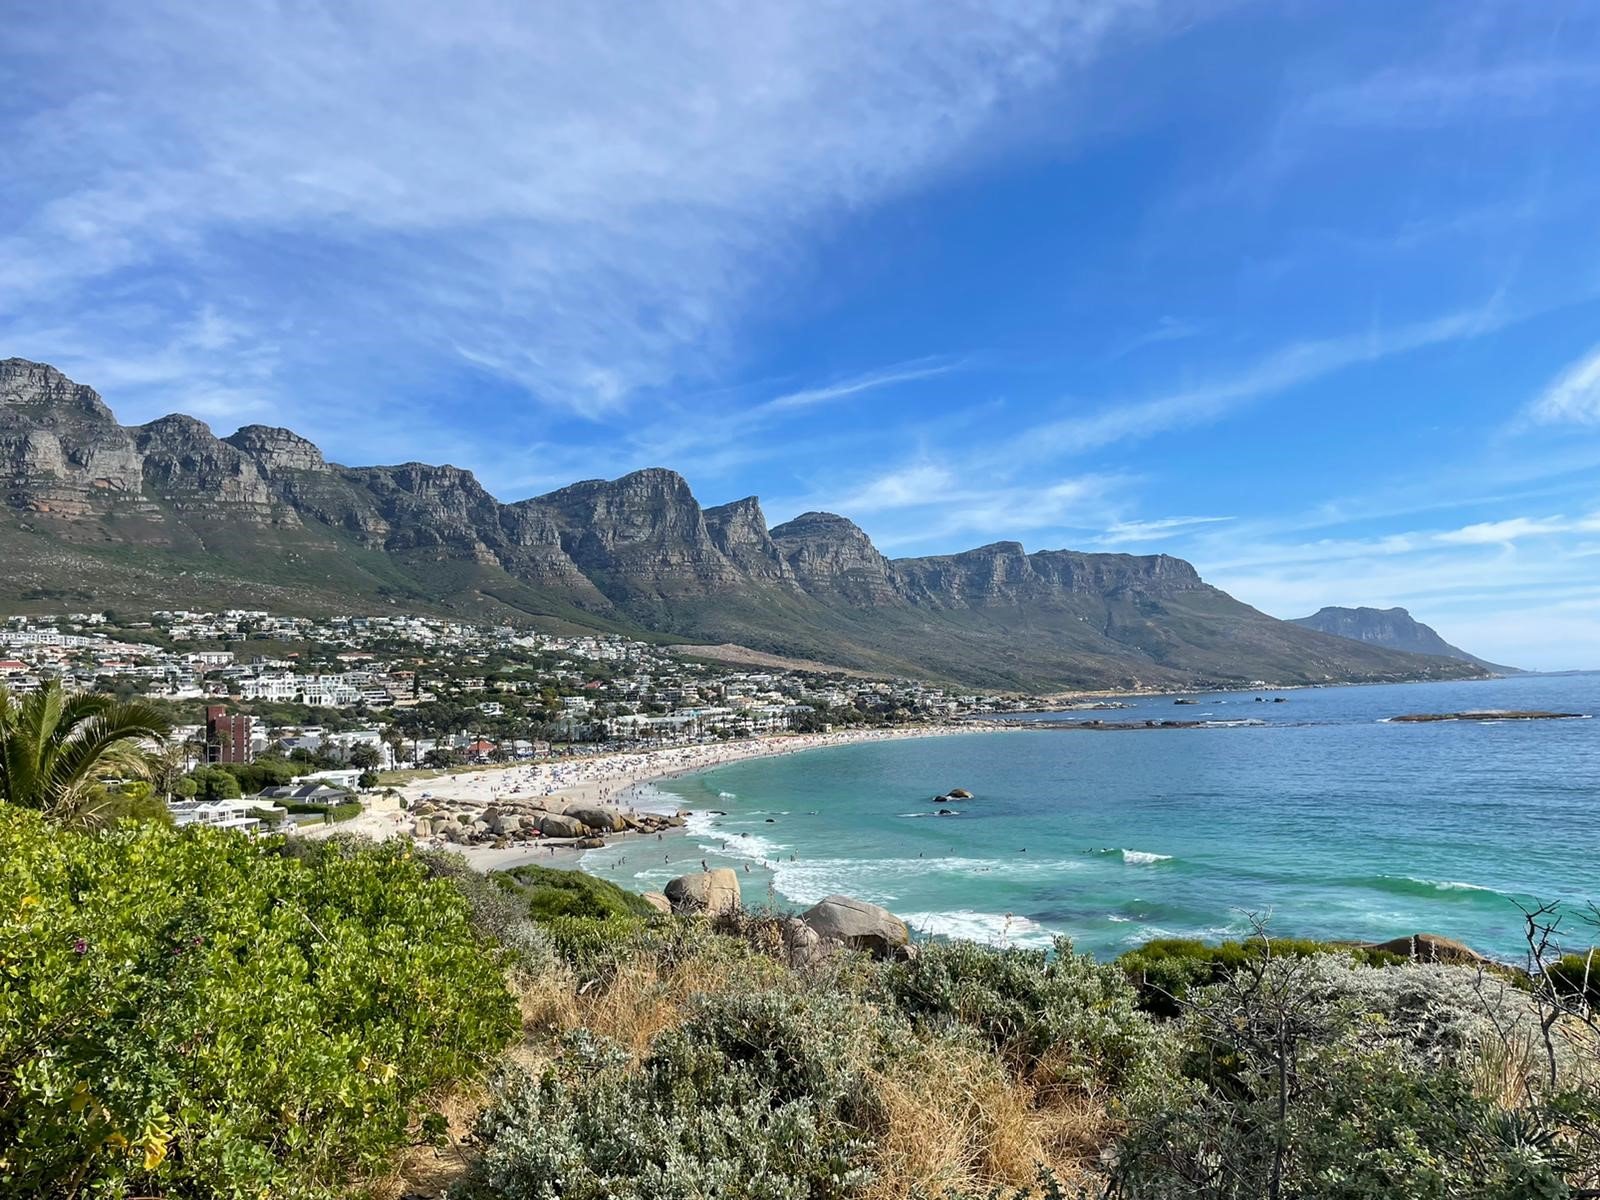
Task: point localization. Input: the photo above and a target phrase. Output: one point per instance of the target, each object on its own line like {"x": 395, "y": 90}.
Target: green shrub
{"x": 1577, "y": 975}
{"x": 761, "y": 1096}
{"x": 192, "y": 1013}
{"x": 1165, "y": 970}
{"x": 1298, "y": 1088}
{"x": 498, "y": 912}
{"x": 552, "y": 892}
{"x": 1058, "y": 1019}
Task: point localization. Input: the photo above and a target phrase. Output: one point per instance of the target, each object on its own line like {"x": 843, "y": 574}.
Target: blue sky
{"x": 1308, "y": 293}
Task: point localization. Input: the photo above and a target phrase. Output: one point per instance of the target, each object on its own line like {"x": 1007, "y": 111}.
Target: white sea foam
{"x": 651, "y": 799}
{"x": 1450, "y": 885}
{"x": 727, "y": 795}
{"x": 986, "y": 927}
{"x": 879, "y": 880}
{"x": 731, "y": 843}
{"x": 1143, "y": 857}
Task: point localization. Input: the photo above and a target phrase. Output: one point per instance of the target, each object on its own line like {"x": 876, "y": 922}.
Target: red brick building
{"x": 228, "y": 736}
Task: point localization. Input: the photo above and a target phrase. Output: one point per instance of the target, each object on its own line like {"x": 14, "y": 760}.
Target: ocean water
{"x": 1316, "y": 812}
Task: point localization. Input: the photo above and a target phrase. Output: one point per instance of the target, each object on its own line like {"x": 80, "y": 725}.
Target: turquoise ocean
{"x": 1316, "y": 812}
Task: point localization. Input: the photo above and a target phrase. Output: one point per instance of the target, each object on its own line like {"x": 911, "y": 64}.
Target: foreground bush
{"x": 191, "y": 1014}
{"x": 1325, "y": 1080}
{"x": 552, "y": 892}
{"x": 1057, "y": 1020}
{"x": 763, "y": 1095}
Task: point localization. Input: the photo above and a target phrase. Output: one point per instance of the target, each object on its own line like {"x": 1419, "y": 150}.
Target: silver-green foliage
{"x": 754, "y": 1097}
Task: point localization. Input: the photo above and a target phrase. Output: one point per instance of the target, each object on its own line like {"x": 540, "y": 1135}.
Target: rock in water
{"x": 857, "y": 924}
{"x": 959, "y": 794}
{"x": 709, "y": 892}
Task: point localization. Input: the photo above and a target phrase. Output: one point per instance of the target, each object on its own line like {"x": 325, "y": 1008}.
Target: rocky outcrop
{"x": 739, "y": 531}
{"x": 710, "y": 893}
{"x": 1429, "y": 947}
{"x": 597, "y": 817}
{"x": 277, "y": 451}
{"x": 641, "y": 535}
{"x": 560, "y": 826}
{"x": 832, "y": 557}
{"x": 656, "y": 901}
{"x": 858, "y": 925}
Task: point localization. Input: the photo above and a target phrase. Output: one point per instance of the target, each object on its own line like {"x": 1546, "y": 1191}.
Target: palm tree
{"x": 54, "y": 748}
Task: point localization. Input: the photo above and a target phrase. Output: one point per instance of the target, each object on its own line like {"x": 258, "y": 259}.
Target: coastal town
{"x": 394, "y": 724}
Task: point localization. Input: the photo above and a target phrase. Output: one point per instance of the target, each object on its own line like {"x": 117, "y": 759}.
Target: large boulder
{"x": 857, "y": 924}
{"x": 598, "y": 817}
{"x": 656, "y": 901}
{"x": 710, "y": 892}
{"x": 1429, "y": 947}
{"x": 557, "y": 825}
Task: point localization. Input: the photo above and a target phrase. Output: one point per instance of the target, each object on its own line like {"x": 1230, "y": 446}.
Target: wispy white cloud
{"x": 857, "y": 384}
{"x": 583, "y": 200}
{"x": 1573, "y": 397}
{"x": 1124, "y": 532}
{"x": 1277, "y": 372}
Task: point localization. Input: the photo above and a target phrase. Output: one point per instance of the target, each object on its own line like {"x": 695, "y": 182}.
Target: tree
{"x": 167, "y": 766}
{"x": 213, "y": 783}
{"x": 365, "y": 756}
{"x": 367, "y": 780}
{"x": 54, "y": 748}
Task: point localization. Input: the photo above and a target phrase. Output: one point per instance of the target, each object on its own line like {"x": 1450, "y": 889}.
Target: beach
{"x": 619, "y": 779}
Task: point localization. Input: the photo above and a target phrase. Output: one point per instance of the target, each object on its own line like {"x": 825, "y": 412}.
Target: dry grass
{"x": 639, "y": 998}
{"x": 431, "y": 1170}
{"x": 955, "y": 1120}
{"x": 953, "y": 1117}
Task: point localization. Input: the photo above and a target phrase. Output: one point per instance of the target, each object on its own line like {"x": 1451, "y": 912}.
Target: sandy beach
{"x": 618, "y": 779}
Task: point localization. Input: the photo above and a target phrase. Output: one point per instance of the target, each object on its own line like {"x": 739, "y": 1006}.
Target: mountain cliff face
{"x": 1393, "y": 628}
{"x": 167, "y": 513}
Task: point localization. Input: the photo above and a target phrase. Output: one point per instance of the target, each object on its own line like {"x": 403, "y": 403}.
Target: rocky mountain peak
{"x": 833, "y": 554}
{"x": 47, "y": 397}
{"x": 1393, "y": 628}
{"x": 275, "y": 449}
{"x": 739, "y": 529}
{"x": 174, "y": 427}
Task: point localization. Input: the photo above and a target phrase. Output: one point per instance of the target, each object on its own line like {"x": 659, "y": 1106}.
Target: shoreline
{"x": 614, "y": 779}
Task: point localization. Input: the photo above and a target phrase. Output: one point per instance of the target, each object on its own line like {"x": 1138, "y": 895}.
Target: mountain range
{"x": 166, "y": 515}
{"x": 1394, "y": 628}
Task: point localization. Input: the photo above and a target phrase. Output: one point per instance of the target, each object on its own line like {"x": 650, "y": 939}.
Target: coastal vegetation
{"x": 56, "y": 748}
{"x": 189, "y": 1013}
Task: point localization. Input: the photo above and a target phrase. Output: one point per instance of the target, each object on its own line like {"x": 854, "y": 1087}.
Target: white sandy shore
{"x": 617, "y": 779}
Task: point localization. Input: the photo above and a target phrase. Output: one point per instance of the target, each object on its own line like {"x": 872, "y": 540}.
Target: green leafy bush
{"x": 1166, "y": 969}
{"x": 1057, "y": 1019}
{"x": 191, "y": 1013}
{"x": 1577, "y": 975}
{"x": 552, "y": 892}
{"x": 498, "y": 912}
{"x": 762, "y": 1096}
